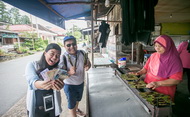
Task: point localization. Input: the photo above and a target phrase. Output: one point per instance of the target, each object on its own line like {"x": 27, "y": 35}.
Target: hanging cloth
{"x": 137, "y": 20}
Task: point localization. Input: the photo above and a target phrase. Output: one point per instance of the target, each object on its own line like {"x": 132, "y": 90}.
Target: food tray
{"x": 154, "y": 110}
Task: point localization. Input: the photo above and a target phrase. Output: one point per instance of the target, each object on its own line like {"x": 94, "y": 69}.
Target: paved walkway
{"x": 19, "y": 109}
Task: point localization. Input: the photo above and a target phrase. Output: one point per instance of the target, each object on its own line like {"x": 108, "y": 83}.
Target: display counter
{"x": 107, "y": 96}
{"x": 158, "y": 105}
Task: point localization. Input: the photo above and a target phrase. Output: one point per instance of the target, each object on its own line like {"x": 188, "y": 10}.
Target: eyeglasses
{"x": 69, "y": 45}
{"x": 52, "y": 54}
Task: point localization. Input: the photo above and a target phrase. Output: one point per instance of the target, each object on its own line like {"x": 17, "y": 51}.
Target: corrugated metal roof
{"x": 25, "y": 27}
{"x": 19, "y": 28}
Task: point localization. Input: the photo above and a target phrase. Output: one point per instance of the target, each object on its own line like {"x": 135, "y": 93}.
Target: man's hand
{"x": 87, "y": 66}
{"x": 72, "y": 71}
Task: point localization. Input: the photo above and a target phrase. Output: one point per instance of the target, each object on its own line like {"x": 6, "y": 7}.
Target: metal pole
{"x": 132, "y": 52}
{"x": 73, "y": 29}
{"x": 37, "y": 28}
{"x": 2, "y": 41}
{"x": 92, "y": 34}
{"x": 32, "y": 31}
{"x": 18, "y": 39}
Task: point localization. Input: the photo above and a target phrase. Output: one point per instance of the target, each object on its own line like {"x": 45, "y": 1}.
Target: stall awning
{"x": 54, "y": 11}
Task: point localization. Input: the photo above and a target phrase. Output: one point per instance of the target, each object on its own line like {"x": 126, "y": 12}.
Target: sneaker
{"x": 80, "y": 113}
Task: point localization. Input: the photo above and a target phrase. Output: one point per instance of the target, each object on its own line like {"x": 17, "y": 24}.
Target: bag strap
{"x": 65, "y": 59}
{"x": 83, "y": 53}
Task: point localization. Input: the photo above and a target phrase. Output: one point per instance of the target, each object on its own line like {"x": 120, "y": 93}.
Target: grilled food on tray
{"x": 129, "y": 77}
{"x": 156, "y": 99}
{"x": 152, "y": 97}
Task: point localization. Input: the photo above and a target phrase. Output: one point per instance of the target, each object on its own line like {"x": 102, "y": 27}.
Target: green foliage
{"x": 22, "y": 50}
{"x": 28, "y": 43}
{"x": 39, "y": 49}
{"x": 77, "y": 34}
{"x": 2, "y": 53}
{"x": 15, "y": 16}
{"x": 4, "y": 14}
{"x": 31, "y": 44}
{"x": 39, "y": 44}
{"x": 75, "y": 31}
{"x": 28, "y": 35}
{"x": 12, "y": 15}
{"x": 68, "y": 33}
{"x": 60, "y": 44}
{"x": 24, "y": 20}
{"x": 46, "y": 42}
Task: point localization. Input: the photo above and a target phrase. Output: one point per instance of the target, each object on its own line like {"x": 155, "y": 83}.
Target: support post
{"x": 132, "y": 52}
{"x": 92, "y": 34}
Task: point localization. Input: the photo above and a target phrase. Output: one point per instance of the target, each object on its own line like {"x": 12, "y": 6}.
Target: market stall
{"x": 109, "y": 97}
{"x": 159, "y": 105}
{"x": 111, "y": 94}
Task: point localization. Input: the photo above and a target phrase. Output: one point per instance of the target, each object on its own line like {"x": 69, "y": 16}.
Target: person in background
{"x": 76, "y": 63}
{"x": 84, "y": 44}
{"x": 184, "y": 52}
{"x": 164, "y": 68}
{"x": 104, "y": 29}
{"x": 43, "y": 96}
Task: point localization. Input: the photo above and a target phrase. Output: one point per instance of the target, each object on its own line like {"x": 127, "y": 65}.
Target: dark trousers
{"x": 187, "y": 71}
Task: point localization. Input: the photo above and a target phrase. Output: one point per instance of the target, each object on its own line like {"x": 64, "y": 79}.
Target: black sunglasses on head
{"x": 69, "y": 45}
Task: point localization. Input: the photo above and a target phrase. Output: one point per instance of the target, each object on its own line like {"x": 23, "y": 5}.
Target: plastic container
{"x": 122, "y": 63}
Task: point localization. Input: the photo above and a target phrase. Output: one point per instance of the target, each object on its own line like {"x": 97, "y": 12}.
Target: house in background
{"x": 16, "y": 34}
{"x": 8, "y": 37}
{"x": 60, "y": 33}
{"x": 42, "y": 32}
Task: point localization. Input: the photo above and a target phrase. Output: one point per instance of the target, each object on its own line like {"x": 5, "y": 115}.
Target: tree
{"x": 32, "y": 42}
{"x": 25, "y": 20}
{"x": 75, "y": 31}
{"x": 4, "y": 14}
{"x": 15, "y": 16}
{"x": 12, "y": 15}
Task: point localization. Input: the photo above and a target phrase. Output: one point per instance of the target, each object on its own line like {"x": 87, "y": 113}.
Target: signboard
{"x": 9, "y": 35}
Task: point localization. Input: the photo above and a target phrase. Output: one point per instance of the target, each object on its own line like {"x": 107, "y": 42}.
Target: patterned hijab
{"x": 169, "y": 62}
